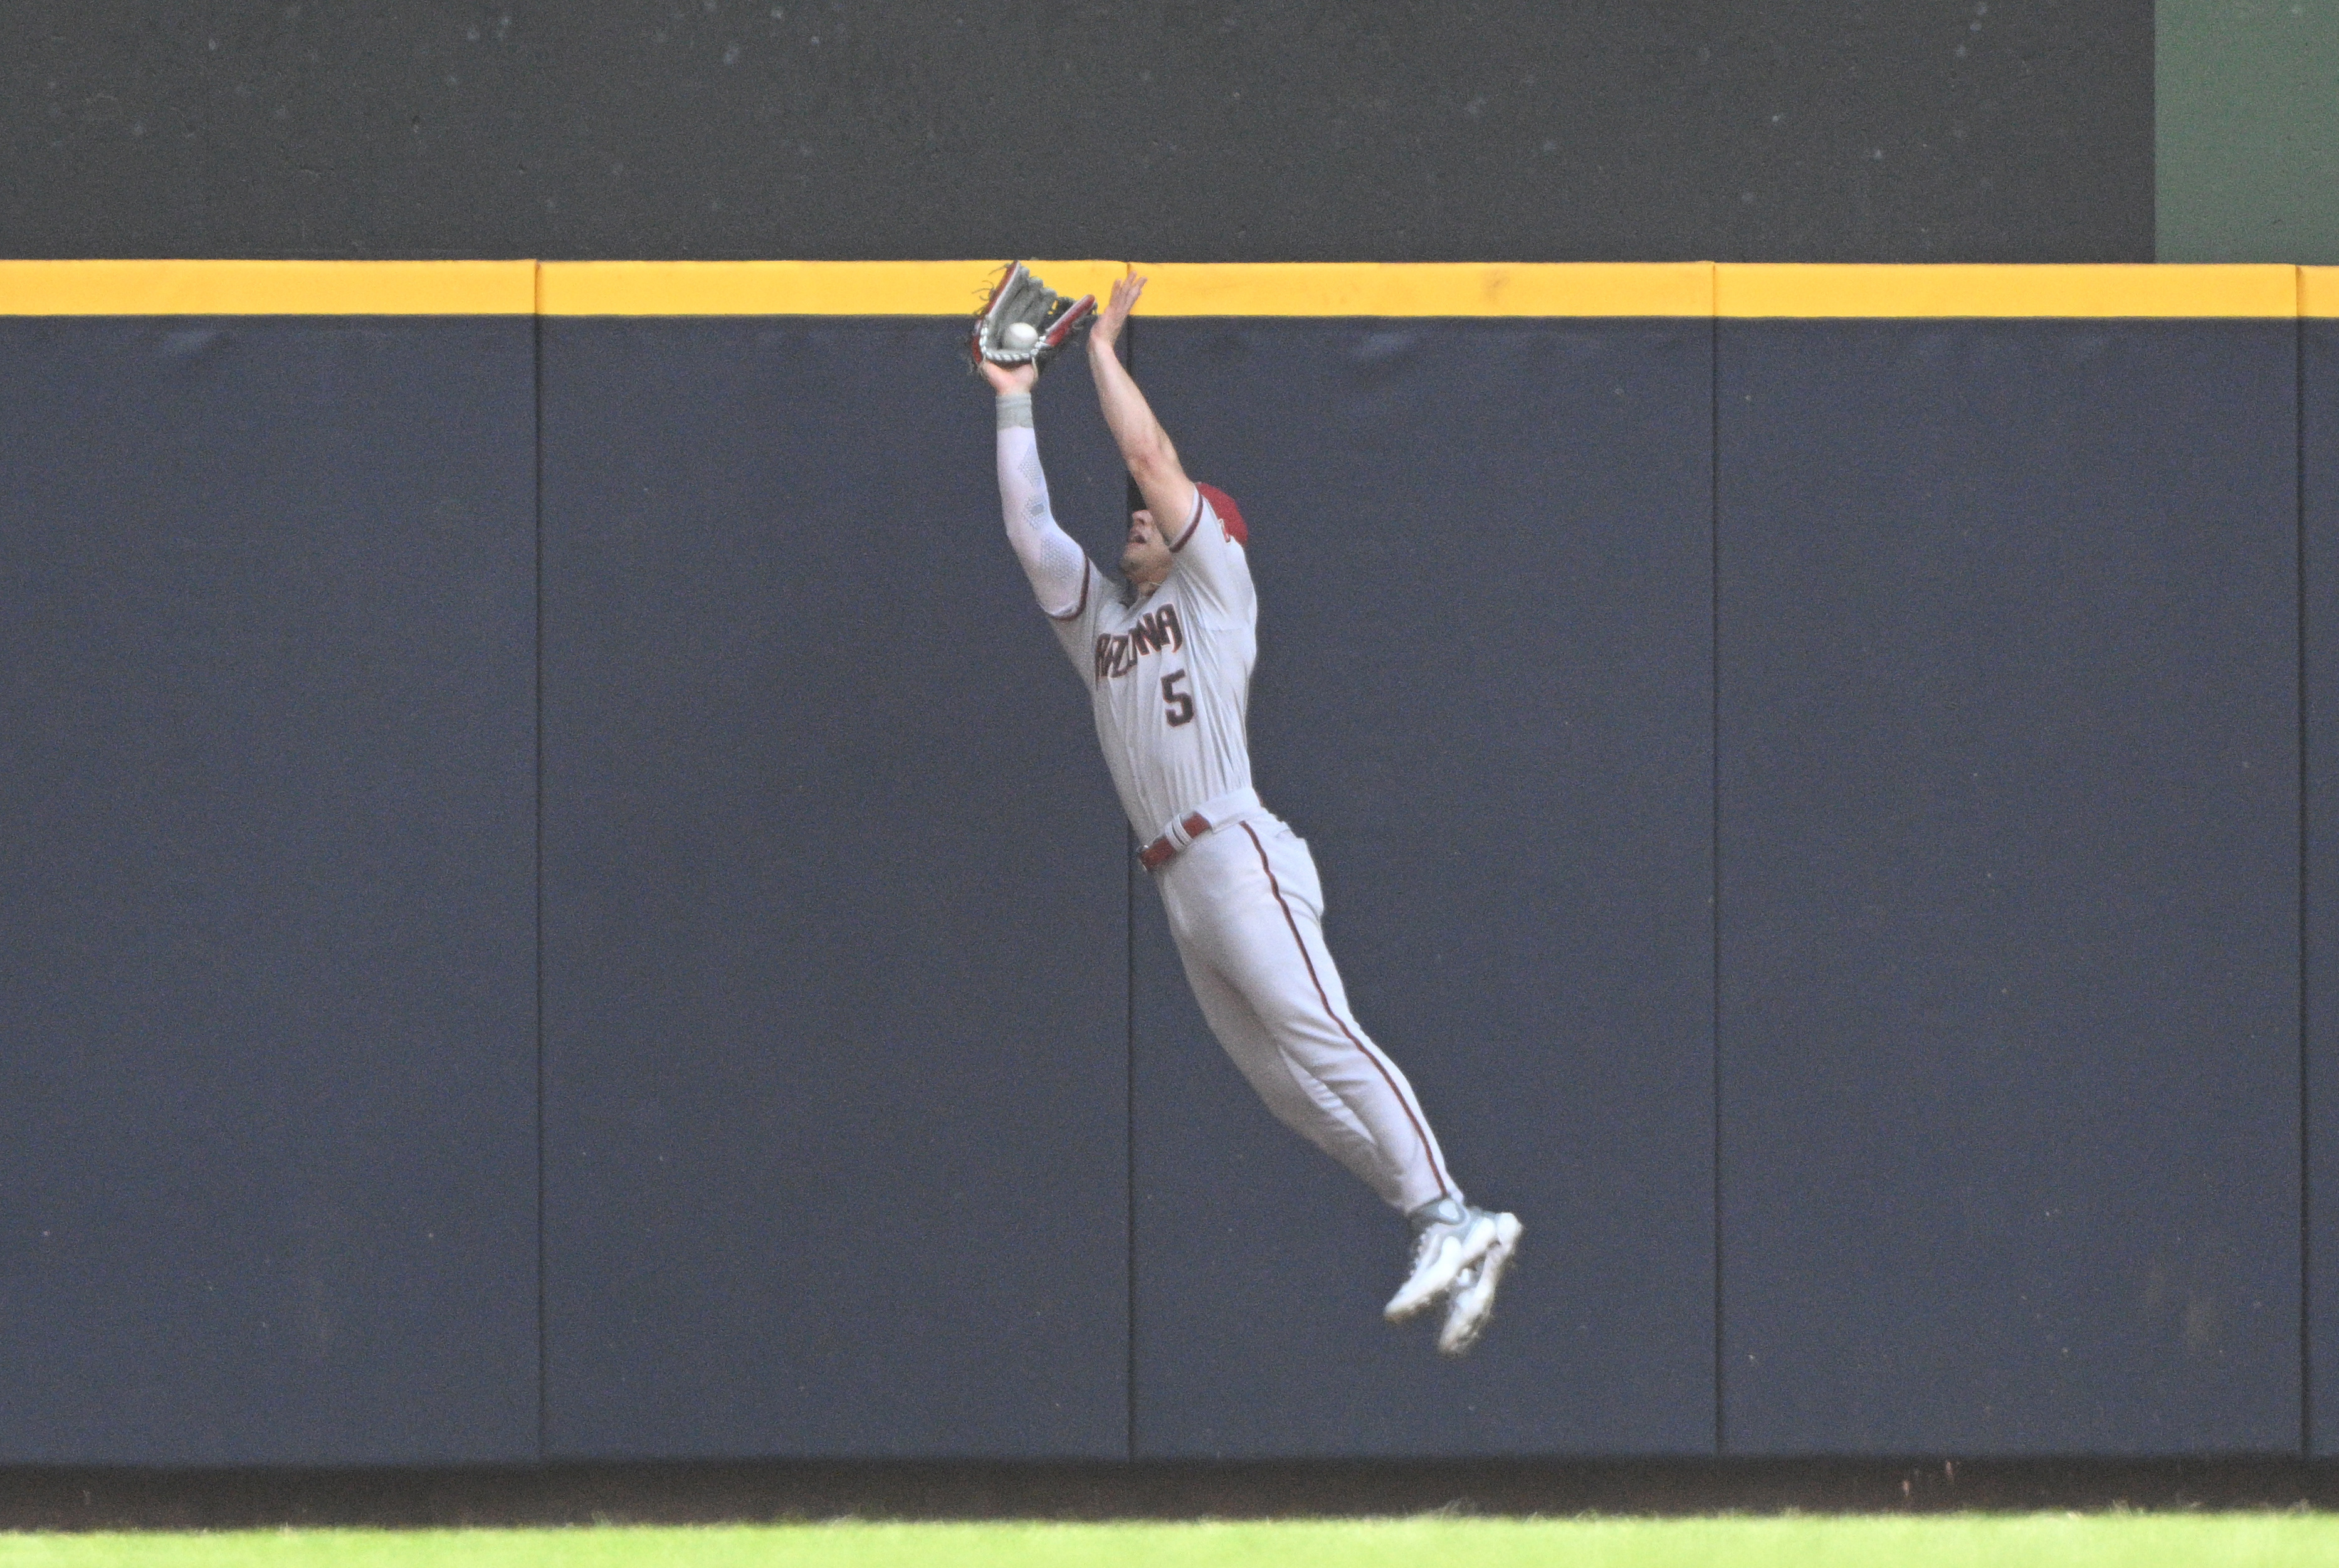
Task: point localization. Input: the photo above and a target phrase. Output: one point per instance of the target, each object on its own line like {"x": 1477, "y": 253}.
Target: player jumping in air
{"x": 1168, "y": 665}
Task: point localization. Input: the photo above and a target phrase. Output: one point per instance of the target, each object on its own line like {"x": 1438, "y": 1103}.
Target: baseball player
{"x": 1168, "y": 665}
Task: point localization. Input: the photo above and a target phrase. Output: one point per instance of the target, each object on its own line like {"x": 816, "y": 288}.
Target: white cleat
{"x": 1472, "y": 1302}
{"x": 1443, "y": 1250}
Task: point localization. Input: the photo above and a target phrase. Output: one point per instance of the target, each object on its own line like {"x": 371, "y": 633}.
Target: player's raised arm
{"x": 1144, "y": 444}
{"x": 1057, "y": 567}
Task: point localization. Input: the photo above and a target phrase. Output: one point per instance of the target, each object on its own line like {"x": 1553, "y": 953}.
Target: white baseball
{"x": 1020, "y": 335}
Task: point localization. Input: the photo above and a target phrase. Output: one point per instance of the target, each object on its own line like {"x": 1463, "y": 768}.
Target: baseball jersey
{"x": 1168, "y": 675}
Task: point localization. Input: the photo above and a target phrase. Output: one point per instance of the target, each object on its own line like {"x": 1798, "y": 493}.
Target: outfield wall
{"x": 565, "y": 905}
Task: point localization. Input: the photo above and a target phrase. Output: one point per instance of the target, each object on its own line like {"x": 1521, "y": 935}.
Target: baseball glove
{"x": 1025, "y": 322}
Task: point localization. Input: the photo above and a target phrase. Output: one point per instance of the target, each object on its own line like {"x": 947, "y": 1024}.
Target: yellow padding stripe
{"x": 267, "y": 288}
{"x": 1172, "y": 288}
{"x": 1753, "y": 289}
{"x": 1365, "y": 289}
{"x": 761, "y": 288}
{"x": 1432, "y": 289}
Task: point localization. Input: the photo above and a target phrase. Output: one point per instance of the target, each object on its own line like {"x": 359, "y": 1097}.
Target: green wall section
{"x": 2246, "y": 132}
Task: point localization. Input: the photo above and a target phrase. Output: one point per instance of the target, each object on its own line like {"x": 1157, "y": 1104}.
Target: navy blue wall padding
{"x": 2319, "y": 493}
{"x": 267, "y": 914}
{"x": 2009, "y": 887}
{"x": 849, "y": 987}
{"x": 1482, "y": 554}
{"x": 836, "y": 947}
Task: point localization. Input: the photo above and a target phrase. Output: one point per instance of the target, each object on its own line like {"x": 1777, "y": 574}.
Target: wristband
{"x": 1015, "y": 410}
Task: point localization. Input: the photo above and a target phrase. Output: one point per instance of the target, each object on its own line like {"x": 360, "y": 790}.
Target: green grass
{"x": 1951, "y": 1541}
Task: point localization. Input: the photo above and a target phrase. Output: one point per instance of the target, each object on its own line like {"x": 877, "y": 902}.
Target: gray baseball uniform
{"x": 1169, "y": 678}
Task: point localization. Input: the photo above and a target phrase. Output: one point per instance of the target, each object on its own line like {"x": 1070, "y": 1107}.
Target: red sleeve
{"x": 1211, "y": 550}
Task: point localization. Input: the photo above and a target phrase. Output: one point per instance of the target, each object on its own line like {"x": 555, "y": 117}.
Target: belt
{"x": 1164, "y": 849}
{"x": 1217, "y": 811}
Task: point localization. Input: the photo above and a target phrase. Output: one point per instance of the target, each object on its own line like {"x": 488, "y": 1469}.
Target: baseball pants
{"x": 1246, "y": 911}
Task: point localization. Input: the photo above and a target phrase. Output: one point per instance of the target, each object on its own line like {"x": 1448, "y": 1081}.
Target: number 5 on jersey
{"x": 1180, "y": 703}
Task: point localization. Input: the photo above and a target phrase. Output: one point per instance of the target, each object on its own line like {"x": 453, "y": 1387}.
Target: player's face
{"x": 1144, "y": 558}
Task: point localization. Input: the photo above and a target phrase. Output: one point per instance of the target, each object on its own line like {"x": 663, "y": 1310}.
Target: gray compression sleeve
{"x": 1050, "y": 559}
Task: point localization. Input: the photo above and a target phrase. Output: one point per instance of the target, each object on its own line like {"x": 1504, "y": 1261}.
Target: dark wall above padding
{"x": 267, "y": 748}
{"x": 1483, "y": 696}
{"x": 2009, "y": 884}
{"x": 1489, "y": 130}
{"x": 834, "y": 937}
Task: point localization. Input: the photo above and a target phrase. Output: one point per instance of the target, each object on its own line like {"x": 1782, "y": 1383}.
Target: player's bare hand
{"x": 1007, "y": 378}
{"x": 1125, "y": 290}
